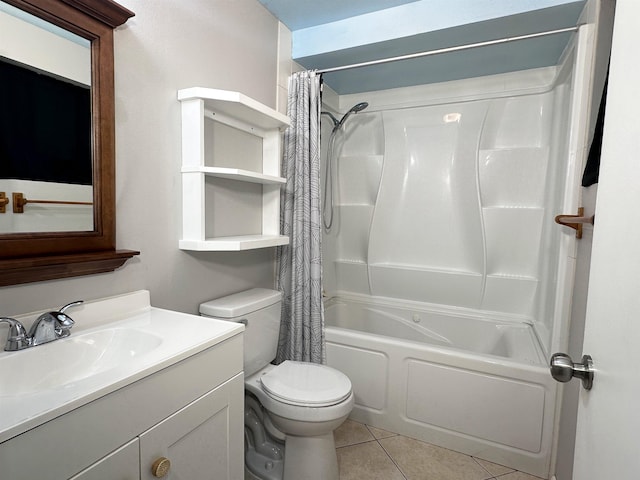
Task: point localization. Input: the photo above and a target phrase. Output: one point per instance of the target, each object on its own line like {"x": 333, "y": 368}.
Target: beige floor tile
{"x": 379, "y": 433}
{"x": 517, "y": 476}
{"x": 494, "y": 468}
{"x": 366, "y": 461}
{"x": 350, "y": 433}
{"x": 421, "y": 461}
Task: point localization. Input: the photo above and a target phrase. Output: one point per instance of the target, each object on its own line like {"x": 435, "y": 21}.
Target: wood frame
{"x": 32, "y": 257}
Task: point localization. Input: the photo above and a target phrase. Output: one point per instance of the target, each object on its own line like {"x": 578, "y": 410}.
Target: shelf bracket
{"x": 575, "y": 221}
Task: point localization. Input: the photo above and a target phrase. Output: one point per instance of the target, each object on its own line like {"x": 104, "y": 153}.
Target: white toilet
{"x": 300, "y": 404}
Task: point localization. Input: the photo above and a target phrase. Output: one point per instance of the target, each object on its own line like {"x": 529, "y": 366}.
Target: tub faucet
{"x": 48, "y": 327}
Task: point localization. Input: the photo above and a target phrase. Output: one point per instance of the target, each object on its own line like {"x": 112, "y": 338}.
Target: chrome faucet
{"x": 17, "y": 337}
{"x": 48, "y": 327}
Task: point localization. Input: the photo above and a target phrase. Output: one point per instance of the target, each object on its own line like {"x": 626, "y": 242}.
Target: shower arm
{"x": 333, "y": 119}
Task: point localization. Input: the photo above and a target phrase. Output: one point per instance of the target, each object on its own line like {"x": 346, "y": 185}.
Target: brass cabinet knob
{"x": 160, "y": 467}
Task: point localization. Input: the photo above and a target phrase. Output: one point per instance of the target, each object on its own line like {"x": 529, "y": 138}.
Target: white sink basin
{"x": 114, "y": 342}
{"x": 59, "y": 364}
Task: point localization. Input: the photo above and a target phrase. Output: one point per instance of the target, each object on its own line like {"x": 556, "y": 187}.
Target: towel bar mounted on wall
{"x": 575, "y": 221}
{"x": 19, "y": 201}
{"x": 4, "y": 201}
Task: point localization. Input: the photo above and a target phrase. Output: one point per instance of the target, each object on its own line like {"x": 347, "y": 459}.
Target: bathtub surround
{"x": 299, "y": 264}
{"x": 452, "y": 204}
{"x": 446, "y": 196}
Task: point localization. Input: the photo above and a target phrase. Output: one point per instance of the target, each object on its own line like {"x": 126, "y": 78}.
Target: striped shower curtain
{"x": 299, "y": 264}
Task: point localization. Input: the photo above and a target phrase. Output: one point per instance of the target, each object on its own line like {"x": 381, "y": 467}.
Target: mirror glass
{"x": 46, "y": 171}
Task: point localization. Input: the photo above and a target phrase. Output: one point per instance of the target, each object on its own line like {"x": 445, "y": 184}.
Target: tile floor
{"x": 368, "y": 453}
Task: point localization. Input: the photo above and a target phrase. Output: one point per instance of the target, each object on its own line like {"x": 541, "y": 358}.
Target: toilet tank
{"x": 259, "y": 310}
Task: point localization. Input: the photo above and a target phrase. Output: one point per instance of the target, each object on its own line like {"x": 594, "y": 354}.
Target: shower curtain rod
{"x": 448, "y": 49}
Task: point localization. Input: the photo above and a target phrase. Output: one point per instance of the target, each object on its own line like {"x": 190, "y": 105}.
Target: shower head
{"x": 327, "y": 201}
{"x": 358, "y": 107}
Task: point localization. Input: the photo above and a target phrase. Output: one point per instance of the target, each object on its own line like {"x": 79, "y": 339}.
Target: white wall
{"x": 170, "y": 45}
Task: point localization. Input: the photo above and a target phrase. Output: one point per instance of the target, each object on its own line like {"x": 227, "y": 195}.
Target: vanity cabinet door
{"x": 123, "y": 464}
{"x": 203, "y": 440}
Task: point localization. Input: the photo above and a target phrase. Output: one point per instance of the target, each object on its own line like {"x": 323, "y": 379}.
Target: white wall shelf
{"x": 237, "y": 174}
{"x": 199, "y": 107}
{"x": 237, "y": 106}
{"x": 234, "y": 244}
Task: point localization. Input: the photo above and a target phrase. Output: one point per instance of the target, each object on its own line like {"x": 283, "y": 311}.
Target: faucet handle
{"x": 65, "y": 321}
{"x": 17, "y": 338}
{"x": 72, "y": 304}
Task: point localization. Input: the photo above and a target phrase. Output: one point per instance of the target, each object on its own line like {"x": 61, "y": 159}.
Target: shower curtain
{"x": 299, "y": 264}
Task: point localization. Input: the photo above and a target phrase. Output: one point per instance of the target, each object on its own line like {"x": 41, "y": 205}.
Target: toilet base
{"x": 264, "y": 455}
{"x": 309, "y": 447}
{"x": 310, "y": 458}
{"x": 248, "y": 475}
{"x": 261, "y": 467}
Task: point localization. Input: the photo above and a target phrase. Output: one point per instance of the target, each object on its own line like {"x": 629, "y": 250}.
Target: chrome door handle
{"x": 563, "y": 369}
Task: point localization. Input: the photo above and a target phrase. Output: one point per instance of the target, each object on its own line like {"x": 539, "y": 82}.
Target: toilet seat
{"x": 306, "y": 384}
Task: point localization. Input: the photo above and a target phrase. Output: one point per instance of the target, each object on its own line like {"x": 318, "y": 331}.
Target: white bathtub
{"x": 464, "y": 382}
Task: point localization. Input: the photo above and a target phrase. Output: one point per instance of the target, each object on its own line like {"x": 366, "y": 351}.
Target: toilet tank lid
{"x": 240, "y": 303}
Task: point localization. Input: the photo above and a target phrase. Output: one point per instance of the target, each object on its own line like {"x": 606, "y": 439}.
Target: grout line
{"x": 356, "y": 443}
{"x": 497, "y": 477}
{"x": 392, "y": 459}
{"x": 492, "y": 477}
{"x": 393, "y": 434}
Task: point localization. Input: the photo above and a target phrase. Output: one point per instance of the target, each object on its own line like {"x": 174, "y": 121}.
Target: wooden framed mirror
{"x": 34, "y": 255}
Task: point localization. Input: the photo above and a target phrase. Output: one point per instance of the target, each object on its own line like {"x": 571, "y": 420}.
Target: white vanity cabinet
{"x": 231, "y": 156}
{"x": 190, "y": 412}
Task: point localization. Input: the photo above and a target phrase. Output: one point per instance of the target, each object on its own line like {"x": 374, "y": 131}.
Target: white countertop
{"x": 44, "y": 382}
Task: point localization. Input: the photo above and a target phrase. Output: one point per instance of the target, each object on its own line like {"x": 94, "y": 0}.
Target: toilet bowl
{"x": 297, "y": 402}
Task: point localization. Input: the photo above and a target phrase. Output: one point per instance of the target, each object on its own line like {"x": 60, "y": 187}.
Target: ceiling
{"x": 298, "y": 14}
{"x": 339, "y": 32}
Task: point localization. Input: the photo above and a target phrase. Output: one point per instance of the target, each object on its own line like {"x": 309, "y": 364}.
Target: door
{"x": 607, "y": 444}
